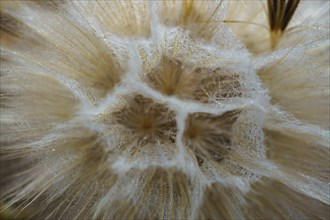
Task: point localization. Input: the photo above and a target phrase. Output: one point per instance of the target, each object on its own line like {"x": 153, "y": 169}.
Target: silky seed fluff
{"x": 167, "y": 109}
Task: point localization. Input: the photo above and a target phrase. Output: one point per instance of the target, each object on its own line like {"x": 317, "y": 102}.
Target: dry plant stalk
{"x": 170, "y": 109}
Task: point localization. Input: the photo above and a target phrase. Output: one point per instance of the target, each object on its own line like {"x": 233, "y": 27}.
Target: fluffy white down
{"x": 164, "y": 110}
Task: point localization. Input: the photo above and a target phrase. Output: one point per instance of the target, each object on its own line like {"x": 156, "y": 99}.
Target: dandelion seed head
{"x": 164, "y": 110}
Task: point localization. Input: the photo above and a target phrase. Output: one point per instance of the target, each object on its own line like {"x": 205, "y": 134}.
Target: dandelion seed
{"x": 279, "y": 16}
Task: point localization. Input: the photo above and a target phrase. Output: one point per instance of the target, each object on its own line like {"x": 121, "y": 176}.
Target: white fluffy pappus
{"x": 170, "y": 109}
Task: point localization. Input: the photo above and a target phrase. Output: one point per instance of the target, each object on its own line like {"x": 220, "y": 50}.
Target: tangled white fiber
{"x": 169, "y": 109}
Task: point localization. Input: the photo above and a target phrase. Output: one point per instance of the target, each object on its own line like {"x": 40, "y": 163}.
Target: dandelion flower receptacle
{"x": 164, "y": 109}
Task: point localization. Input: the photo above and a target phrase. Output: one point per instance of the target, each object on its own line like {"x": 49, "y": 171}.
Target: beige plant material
{"x": 165, "y": 109}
